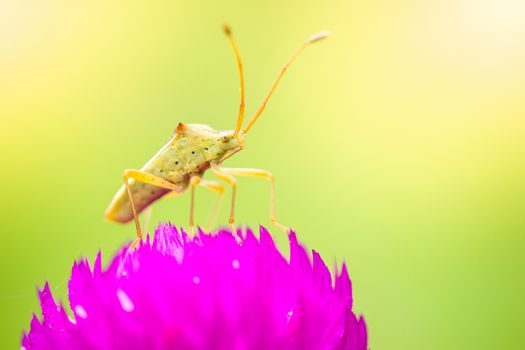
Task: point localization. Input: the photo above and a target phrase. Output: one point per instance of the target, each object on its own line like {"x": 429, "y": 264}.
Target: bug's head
{"x": 231, "y": 143}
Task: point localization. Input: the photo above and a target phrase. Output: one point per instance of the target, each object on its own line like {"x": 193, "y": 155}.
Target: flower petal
{"x": 203, "y": 292}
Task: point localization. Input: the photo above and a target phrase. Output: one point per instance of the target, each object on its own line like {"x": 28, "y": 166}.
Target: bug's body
{"x": 182, "y": 161}
{"x": 188, "y": 153}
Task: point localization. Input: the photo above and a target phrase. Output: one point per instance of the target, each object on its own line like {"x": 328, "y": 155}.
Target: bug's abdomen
{"x": 143, "y": 194}
{"x": 181, "y": 158}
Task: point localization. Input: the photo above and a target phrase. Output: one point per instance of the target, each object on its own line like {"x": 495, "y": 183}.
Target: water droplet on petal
{"x": 80, "y": 311}
{"x": 196, "y": 279}
{"x": 236, "y": 264}
{"x": 289, "y": 315}
{"x": 125, "y": 301}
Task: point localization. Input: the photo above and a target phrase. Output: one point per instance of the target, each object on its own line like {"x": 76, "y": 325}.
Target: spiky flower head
{"x": 205, "y": 292}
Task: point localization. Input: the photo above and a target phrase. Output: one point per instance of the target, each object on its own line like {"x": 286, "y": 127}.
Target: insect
{"x": 194, "y": 148}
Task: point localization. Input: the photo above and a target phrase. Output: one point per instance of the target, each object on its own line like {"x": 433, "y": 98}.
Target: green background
{"x": 398, "y": 145}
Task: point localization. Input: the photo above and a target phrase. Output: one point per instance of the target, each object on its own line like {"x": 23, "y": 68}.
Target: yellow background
{"x": 398, "y": 145}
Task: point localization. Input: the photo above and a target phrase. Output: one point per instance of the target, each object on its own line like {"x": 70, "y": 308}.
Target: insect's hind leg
{"x": 249, "y": 172}
{"x": 144, "y": 177}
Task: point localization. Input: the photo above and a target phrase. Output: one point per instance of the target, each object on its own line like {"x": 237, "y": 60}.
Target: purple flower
{"x": 206, "y": 292}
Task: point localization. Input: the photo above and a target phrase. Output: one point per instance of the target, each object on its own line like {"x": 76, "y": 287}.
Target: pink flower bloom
{"x": 208, "y": 292}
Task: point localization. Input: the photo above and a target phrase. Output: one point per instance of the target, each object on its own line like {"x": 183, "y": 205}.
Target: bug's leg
{"x": 141, "y": 176}
{"x": 248, "y": 172}
{"x": 146, "y": 218}
{"x": 135, "y": 216}
{"x": 219, "y": 189}
{"x": 194, "y": 181}
{"x": 211, "y": 185}
{"x": 172, "y": 194}
{"x": 230, "y": 180}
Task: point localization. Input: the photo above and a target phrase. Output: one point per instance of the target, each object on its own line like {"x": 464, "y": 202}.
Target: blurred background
{"x": 398, "y": 145}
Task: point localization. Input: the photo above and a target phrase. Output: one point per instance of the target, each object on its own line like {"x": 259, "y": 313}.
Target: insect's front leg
{"x": 250, "y": 172}
{"x": 144, "y": 177}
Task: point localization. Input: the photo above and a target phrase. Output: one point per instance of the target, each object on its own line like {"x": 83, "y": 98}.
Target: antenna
{"x": 314, "y": 38}
{"x": 233, "y": 43}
